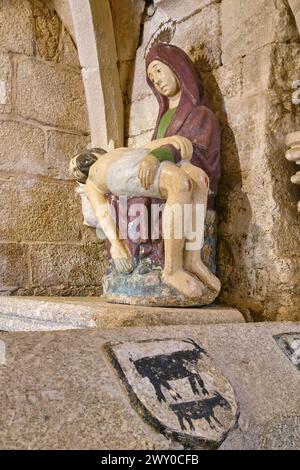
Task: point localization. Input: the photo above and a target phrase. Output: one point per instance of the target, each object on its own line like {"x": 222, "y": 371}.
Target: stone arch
{"x": 295, "y": 7}
{"x": 90, "y": 24}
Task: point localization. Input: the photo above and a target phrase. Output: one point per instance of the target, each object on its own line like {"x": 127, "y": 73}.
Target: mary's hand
{"x": 182, "y": 144}
{"x": 147, "y": 170}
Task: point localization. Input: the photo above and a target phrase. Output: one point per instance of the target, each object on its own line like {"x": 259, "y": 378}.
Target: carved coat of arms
{"x": 175, "y": 386}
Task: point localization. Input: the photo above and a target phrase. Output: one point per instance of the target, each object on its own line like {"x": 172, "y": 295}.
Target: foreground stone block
{"x": 61, "y": 313}
{"x": 50, "y": 380}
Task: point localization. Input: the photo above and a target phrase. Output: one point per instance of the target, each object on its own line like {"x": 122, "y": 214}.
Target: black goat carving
{"x": 203, "y": 409}
{"x": 177, "y": 365}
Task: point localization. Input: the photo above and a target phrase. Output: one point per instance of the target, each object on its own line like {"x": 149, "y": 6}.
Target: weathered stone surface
{"x": 94, "y": 414}
{"x": 179, "y": 11}
{"x": 47, "y": 29}
{"x": 62, "y": 7}
{"x": 273, "y": 66}
{"x": 61, "y": 148}
{"x": 62, "y": 377}
{"x": 244, "y": 136}
{"x": 14, "y": 270}
{"x": 68, "y": 54}
{"x": 200, "y": 36}
{"x": 229, "y": 79}
{"x": 16, "y": 33}
{"x": 140, "y": 140}
{"x": 138, "y": 86}
{"x": 33, "y": 209}
{"x": 5, "y": 83}
{"x": 22, "y": 148}
{"x": 142, "y": 115}
{"x": 192, "y": 402}
{"x": 295, "y": 7}
{"x": 51, "y": 94}
{"x": 60, "y": 313}
{"x": 249, "y": 26}
{"x": 127, "y": 17}
{"x": 68, "y": 265}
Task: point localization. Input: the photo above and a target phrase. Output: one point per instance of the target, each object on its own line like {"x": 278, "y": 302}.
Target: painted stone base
{"x": 144, "y": 286}
{"x": 147, "y": 288}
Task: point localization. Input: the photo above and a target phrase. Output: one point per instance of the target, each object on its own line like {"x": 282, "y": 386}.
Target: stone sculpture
{"x": 180, "y": 166}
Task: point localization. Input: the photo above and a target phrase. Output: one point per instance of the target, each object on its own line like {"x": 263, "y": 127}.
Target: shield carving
{"x": 290, "y": 345}
{"x": 175, "y": 386}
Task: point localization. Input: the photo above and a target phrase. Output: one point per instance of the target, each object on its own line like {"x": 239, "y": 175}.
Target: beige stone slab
{"x": 62, "y": 313}
{"x": 59, "y": 390}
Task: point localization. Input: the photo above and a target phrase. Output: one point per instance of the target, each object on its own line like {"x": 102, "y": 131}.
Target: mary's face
{"x": 163, "y": 78}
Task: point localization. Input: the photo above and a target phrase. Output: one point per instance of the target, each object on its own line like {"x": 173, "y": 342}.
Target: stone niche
{"x": 248, "y": 55}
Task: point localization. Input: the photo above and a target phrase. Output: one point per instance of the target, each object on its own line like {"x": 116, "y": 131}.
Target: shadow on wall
{"x": 230, "y": 269}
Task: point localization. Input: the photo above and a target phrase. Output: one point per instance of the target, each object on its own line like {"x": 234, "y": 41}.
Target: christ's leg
{"x": 192, "y": 258}
{"x": 176, "y": 187}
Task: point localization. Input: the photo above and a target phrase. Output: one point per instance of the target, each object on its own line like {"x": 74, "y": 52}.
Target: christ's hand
{"x": 147, "y": 170}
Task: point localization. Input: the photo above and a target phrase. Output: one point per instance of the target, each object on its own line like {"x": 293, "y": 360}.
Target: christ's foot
{"x": 122, "y": 257}
{"x": 204, "y": 275}
{"x": 184, "y": 282}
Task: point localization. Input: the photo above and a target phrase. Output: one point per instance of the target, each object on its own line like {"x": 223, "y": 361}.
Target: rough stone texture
{"x": 140, "y": 140}
{"x": 5, "y": 83}
{"x": 51, "y": 94}
{"x": 200, "y": 36}
{"x": 68, "y": 53}
{"x": 62, "y": 265}
{"x": 249, "y": 26}
{"x": 16, "y": 33}
{"x": 38, "y": 210}
{"x": 47, "y": 27}
{"x": 295, "y": 7}
{"x": 179, "y": 11}
{"x": 60, "y": 149}
{"x": 24, "y": 154}
{"x": 127, "y": 16}
{"x": 14, "y": 266}
{"x": 61, "y": 313}
{"x": 142, "y": 115}
{"x": 63, "y": 377}
{"x": 43, "y": 122}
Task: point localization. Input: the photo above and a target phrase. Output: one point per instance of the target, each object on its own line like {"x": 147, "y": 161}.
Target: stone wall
{"x": 44, "y": 248}
{"x": 248, "y": 54}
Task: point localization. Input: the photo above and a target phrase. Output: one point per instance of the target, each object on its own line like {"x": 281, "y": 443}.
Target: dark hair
{"x": 85, "y": 159}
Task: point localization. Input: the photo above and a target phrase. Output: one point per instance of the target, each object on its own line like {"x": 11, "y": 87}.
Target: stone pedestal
{"x": 65, "y": 313}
